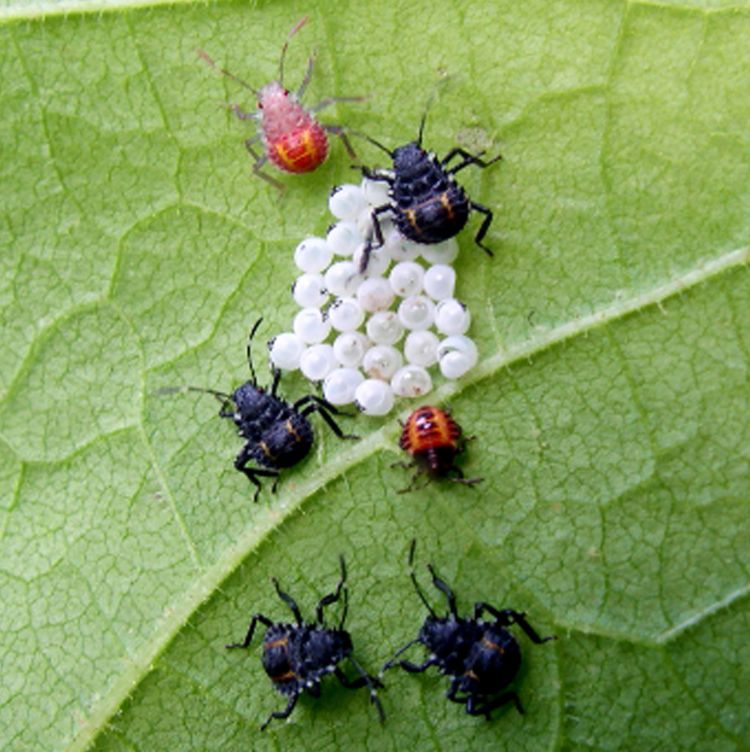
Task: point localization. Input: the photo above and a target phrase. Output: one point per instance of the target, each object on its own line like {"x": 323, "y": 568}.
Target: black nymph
{"x": 277, "y": 433}
{"x": 481, "y": 657}
{"x": 426, "y": 204}
{"x": 298, "y": 656}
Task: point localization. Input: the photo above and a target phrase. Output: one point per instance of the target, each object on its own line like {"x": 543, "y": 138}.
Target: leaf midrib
{"x": 27, "y": 12}
{"x": 270, "y": 517}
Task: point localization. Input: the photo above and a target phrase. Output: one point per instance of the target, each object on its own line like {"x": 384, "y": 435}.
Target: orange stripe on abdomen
{"x": 284, "y": 677}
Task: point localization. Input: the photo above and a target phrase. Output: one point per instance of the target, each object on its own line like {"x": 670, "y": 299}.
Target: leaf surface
{"x": 610, "y": 405}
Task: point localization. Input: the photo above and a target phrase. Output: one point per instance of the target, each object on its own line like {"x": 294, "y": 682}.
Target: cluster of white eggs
{"x": 396, "y": 299}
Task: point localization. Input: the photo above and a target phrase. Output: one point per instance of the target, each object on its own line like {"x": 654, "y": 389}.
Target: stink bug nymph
{"x": 481, "y": 657}
{"x": 277, "y": 434}
{"x": 434, "y": 440}
{"x": 293, "y": 140}
{"x": 427, "y": 204}
{"x": 298, "y": 656}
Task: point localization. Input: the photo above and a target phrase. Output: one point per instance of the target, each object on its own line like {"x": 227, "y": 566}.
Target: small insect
{"x": 297, "y": 656}
{"x": 434, "y": 440}
{"x": 427, "y": 204}
{"x": 293, "y": 140}
{"x": 277, "y": 434}
{"x": 482, "y": 657}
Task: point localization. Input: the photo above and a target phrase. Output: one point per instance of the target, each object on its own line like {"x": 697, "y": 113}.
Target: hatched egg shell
{"x": 375, "y": 294}
{"x": 411, "y": 381}
{"x": 457, "y": 355}
{"x": 382, "y": 361}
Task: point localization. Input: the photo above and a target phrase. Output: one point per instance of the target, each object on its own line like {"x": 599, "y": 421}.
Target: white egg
{"x": 374, "y": 397}
{"x": 384, "y": 328}
{"x": 416, "y": 312}
{"x": 455, "y": 364}
{"x": 349, "y": 348}
{"x": 378, "y": 262}
{"x": 406, "y": 278}
{"x": 440, "y": 253}
{"x": 285, "y": 351}
{"x": 457, "y": 355}
{"x": 341, "y": 384}
{"x": 311, "y": 326}
{"x": 312, "y": 255}
{"x": 342, "y": 279}
{"x": 309, "y": 291}
{"x": 400, "y": 248}
{"x": 420, "y": 348}
{"x": 346, "y": 314}
{"x": 347, "y": 201}
{"x": 440, "y": 281}
{"x": 344, "y": 237}
{"x": 452, "y": 317}
{"x": 317, "y": 362}
{"x": 376, "y": 192}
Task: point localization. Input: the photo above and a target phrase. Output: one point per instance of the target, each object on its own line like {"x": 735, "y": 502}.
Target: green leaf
{"x": 610, "y": 406}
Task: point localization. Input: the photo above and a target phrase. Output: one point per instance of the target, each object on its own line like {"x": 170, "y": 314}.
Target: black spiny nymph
{"x": 481, "y": 657}
{"x": 278, "y": 434}
{"x": 298, "y": 656}
{"x": 427, "y": 205}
